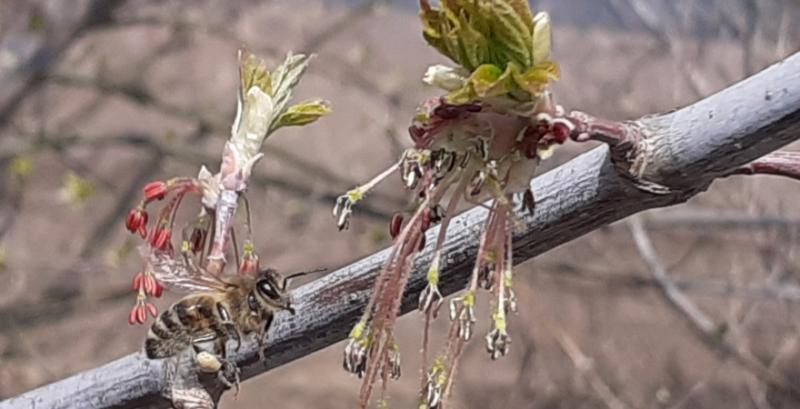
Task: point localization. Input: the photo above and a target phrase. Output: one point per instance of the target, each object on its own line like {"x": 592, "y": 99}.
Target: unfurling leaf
{"x": 446, "y": 78}
{"x": 535, "y": 79}
{"x": 253, "y": 73}
{"x": 500, "y": 42}
{"x": 542, "y": 42}
{"x": 304, "y": 113}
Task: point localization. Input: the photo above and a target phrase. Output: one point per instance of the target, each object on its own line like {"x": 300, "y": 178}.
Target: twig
{"x": 764, "y": 291}
{"x": 34, "y": 70}
{"x": 585, "y": 367}
{"x": 711, "y": 334}
{"x": 780, "y": 163}
{"x": 689, "y": 151}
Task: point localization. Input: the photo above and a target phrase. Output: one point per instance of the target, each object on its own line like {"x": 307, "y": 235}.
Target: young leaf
{"x": 304, "y": 113}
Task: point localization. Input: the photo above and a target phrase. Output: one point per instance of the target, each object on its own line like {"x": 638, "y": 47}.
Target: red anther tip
{"x": 426, "y": 219}
{"x": 136, "y": 220}
{"x": 161, "y": 239}
{"x": 155, "y": 190}
{"x": 158, "y": 290}
{"x": 152, "y": 309}
{"x": 141, "y": 314}
{"x": 394, "y": 225}
{"x": 137, "y": 281}
{"x": 132, "y": 316}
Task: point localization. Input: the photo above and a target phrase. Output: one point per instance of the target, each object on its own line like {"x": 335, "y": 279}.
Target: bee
{"x": 219, "y": 309}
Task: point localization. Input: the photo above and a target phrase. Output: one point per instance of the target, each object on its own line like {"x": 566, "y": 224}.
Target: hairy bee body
{"x": 246, "y": 305}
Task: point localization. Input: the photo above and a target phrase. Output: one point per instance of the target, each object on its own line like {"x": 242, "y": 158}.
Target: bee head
{"x": 271, "y": 287}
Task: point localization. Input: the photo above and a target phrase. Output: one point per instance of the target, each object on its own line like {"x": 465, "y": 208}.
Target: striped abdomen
{"x": 178, "y": 326}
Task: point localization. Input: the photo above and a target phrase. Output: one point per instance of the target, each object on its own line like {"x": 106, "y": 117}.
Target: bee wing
{"x": 177, "y": 275}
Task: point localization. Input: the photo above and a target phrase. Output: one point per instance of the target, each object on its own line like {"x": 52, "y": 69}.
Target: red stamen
{"x": 155, "y": 191}
{"x": 395, "y": 224}
{"x": 426, "y": 219}
{"x": 161, "y": 239}
{"x": 141, "y": 314}
{"x": 137, "y": 281}
{"x": 132, "y": 316}
{"x": 159, "y": 290}
{"x": 136, "y": 220}
{"x": 152, "y": 309}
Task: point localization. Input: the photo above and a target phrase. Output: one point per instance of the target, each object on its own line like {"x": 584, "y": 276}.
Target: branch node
{"x": 628, "y": 143}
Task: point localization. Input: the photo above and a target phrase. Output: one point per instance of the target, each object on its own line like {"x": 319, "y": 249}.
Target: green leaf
{"x": 489, "y": 80}
{"x": 511, "y": 33}
{"x": 542, "y": 42}
{"x": 535, "y": 80}
{"x": 253, "y": 73}
{"x": 304, "y": 113}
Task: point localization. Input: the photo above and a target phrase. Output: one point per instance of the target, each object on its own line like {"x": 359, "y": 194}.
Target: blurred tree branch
{"x": 712, "y": 334}
{"x": 32, "y": 72}
{"x": 687, "y": 150}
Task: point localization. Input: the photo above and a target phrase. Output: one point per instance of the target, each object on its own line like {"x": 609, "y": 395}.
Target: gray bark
{"x": 686, "y": 150}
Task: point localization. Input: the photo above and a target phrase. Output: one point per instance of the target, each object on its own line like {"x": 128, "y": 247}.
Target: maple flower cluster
{"x": 480, "y": 141}
{"x": 205, "y": 240}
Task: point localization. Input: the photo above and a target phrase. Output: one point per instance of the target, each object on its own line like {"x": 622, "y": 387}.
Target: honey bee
{"x": 231, "y": 307}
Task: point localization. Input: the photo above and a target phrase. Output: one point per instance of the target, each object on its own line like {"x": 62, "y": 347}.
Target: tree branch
{"x": 686, "y": 150}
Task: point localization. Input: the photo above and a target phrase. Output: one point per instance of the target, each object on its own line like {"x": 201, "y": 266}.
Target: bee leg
{"x": 229, "y": 375}
{"x": 231, "y": 331}
{"x": 229, "y": 372}
{"x": 261, "y": 341}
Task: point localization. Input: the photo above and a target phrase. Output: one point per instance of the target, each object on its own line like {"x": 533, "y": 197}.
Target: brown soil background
{"x": 64, "y": 304}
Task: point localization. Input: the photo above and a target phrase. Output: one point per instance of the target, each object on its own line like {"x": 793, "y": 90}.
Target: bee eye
{"x": 252, "y": 302}
{"x": 269, "y": 291}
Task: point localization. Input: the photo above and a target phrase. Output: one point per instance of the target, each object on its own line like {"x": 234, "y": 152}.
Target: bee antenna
{"x": 289, "y": 277}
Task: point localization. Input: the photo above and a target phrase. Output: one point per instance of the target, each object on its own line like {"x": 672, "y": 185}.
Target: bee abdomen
{"x": 167, "y": 337}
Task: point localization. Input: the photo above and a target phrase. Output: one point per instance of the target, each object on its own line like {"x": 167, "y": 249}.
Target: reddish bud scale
{"x": 542, "y": 128}
{"x": 528, "y": 147}
{"x": 155, "y": 191}
{"x": 395, "y": 224}
{"x": 249, "y": 266}
{"x": 560, "y": 132}
{"x": 417, "y": 133}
